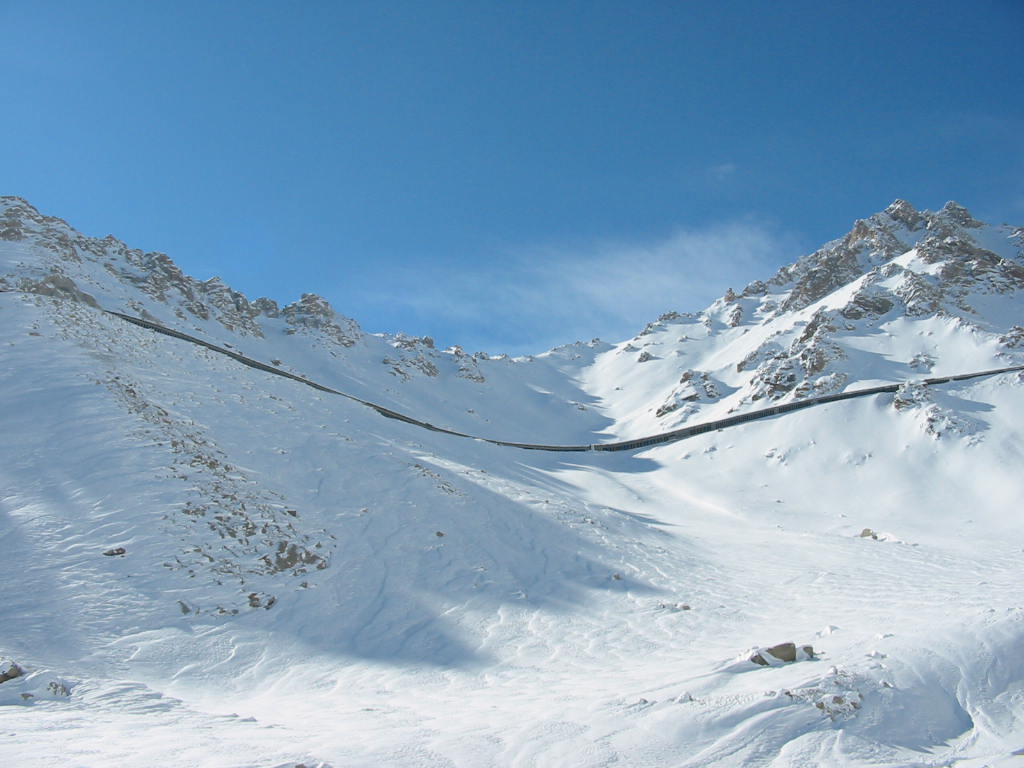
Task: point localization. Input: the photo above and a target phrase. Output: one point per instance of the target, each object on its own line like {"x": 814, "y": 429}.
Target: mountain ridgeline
{"x": 817, "y": 327}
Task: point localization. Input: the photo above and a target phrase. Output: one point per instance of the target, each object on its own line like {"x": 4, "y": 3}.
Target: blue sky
{"x": 505, "y": 175}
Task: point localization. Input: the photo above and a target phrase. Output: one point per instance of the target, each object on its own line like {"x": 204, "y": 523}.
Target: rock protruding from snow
{"x": 911, "y": 394}
{"x": 802, "y": 367}
{"x": 870, "y": 243}
{"x": 693, "y": 386}
{"x": 9, "y": 670}
{"x": 59, "y": 286}
{"x": 314, "y": 313}
{"x": 783, "y": 653}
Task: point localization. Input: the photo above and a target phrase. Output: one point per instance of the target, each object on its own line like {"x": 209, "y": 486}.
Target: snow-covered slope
{"x": 208, "y": 565}
{"x": 44, "y": 255}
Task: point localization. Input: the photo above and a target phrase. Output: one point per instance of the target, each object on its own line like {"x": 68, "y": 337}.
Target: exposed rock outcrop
{"x": 783, "y": 653}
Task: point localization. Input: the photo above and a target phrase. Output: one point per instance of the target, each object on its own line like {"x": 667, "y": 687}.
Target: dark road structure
{"x": 621, "y": 445}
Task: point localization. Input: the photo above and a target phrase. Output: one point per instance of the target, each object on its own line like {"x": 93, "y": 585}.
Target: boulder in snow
{"x": 782, "y": 653}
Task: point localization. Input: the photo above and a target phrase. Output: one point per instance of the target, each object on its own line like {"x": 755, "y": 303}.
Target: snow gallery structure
{"x": 621, "y": 445}
{"x": 206, "y": 564}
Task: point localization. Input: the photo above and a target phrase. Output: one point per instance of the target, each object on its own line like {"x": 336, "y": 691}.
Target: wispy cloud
{"x": 722, "y": 171}
{"x": 529, "y": 299}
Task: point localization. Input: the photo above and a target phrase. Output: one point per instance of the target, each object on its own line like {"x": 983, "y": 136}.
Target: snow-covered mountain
{"x": 206, "y": 564}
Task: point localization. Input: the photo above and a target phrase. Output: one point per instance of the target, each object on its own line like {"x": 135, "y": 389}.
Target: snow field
{"x": 582, "y": 612}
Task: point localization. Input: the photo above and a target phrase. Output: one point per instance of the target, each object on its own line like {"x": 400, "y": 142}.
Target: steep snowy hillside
{"x": 206, "y": 564}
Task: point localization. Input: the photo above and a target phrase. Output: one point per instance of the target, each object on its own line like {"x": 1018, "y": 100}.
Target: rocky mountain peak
{"x": 14, "y": 208}
{"x": 958, "y": 215}
{"x": 313, "y": 312}
{"x": 803, "y": 332}
{"x": 904, "y": 213}
{"x": 875, "y": 241}
{"x": 267, "y": 307}
{"x": 310, "y": 306}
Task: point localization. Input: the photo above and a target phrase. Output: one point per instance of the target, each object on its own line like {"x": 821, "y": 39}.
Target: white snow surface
{"x": 207, "y": 565}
